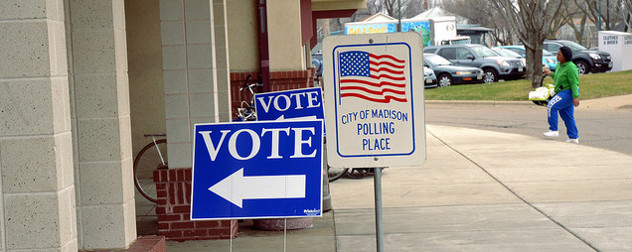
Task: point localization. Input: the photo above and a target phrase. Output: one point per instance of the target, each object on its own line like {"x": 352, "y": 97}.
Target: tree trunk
{"x": 534, "y": 70}
{"x": 531, "y": 20}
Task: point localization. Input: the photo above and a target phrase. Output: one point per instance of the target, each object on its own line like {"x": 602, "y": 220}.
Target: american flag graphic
{"x": 376, "y": 78}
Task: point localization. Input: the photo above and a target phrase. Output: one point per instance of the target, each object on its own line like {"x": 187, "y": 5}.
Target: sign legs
{"x": 379, "y": 232}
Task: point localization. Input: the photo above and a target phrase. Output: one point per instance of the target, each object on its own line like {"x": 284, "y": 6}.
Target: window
{"x": 462, "y": 53}
{"x": 448, "y": 53}
{"x": 435, "y": 60}
{"x": 552, "y": 47}
{"x": 482, "y": 51}
{"x": 573, "y": 46}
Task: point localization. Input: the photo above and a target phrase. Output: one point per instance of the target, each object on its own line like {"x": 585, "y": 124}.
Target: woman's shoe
{"x": 573, "y": 140}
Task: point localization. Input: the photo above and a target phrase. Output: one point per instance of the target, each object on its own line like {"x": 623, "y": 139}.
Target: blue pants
{"x": 562, "y": 102}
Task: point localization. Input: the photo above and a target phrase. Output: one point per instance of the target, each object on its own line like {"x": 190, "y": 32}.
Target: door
{"x": 463, "y": 56}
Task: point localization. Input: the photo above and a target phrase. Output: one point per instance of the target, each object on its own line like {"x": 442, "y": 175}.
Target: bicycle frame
{"x": 247, "y": 111}
{"x": 162, "y": 160}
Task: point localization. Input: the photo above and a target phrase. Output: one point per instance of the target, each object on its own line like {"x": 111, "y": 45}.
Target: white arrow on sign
{"x": 236, "y": 188}
{"x": 282, "y": 117}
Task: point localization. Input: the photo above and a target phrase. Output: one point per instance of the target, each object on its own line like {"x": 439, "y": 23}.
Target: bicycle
{"x": 354, "y": 173}
{"x": 247, "y": 110}
{"x": 153, "y": 156}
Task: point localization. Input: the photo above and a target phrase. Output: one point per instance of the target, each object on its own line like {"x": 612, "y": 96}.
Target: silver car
{"x": 430, "y": 79}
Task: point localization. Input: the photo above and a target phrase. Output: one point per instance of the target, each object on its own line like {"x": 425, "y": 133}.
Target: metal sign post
{"x": 379, "y": 232}
{"x": 374, "y": 104}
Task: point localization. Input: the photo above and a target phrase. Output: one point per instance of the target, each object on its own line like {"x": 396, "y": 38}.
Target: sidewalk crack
{"x": 515, "y": 194}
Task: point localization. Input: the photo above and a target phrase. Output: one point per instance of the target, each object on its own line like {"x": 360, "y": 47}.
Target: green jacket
{"x": 566, "y": 77}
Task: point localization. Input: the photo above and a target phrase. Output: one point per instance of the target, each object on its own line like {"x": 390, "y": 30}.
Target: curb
{"x": 466, "y": 102}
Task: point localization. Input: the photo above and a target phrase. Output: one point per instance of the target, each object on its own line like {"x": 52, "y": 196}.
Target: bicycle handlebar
{"x": 255, "y": 85}
{"x": 246, "y": 82}
{"x": 251, "y": 85}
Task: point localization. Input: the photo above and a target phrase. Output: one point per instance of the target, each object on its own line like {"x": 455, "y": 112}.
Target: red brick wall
{"x": 278, "y": 81}
{"x": 174, "y": 207}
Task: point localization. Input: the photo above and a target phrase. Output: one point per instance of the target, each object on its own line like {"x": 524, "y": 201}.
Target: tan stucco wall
{"x": 243, "y": 37}
{"x": 284, "y": 25}
{"x": 284, "y": 35}
{"x": 144, "y": 56}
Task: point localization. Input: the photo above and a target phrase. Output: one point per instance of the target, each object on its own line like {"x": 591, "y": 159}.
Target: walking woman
{"x": 566, "y": 82}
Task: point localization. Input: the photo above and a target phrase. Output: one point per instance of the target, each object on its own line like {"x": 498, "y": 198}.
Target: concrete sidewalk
{"x": 478, "y": 191}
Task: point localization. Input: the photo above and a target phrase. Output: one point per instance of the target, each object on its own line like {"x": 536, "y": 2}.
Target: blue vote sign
{"x": 251, "y": 170}
{"x": 306, "y": 103}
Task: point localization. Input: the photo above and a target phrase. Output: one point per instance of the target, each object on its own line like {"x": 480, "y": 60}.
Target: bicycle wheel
{"x": 335, "y": 173}
{"x": 357, "y": 173}
{"x": 146, "y": 161}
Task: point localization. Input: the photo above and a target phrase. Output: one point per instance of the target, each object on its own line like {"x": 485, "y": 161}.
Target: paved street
{"x": 602, "y": 127}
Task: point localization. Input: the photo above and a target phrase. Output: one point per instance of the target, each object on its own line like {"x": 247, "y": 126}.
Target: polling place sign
{"x": 374, "y": 104}
{"x": 251, "y": 170}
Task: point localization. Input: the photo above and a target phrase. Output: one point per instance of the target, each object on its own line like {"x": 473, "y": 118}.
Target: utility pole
{"x": 399, "y": 16}
{"x": 599, "y": 16}
{"x": 607, "y": 14}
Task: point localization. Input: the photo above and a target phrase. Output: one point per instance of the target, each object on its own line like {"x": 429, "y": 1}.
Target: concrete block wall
{"x": 37, "y": 203}
{"x": 101, "y": 118}
{"x": 195, "y": 71}
{"x": 222, "y": 62}
{"x": 174, "y": 208}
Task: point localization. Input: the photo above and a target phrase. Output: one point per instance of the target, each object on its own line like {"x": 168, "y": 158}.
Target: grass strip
{"x": 590, "y": 86}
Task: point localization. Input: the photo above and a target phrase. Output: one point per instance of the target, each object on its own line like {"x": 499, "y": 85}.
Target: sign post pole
{"x": 379, "y": 232}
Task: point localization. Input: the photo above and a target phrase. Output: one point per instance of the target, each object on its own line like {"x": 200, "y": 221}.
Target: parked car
{"x": 430, "y": 79}
{"x": 493, "y": 65}
{"x": 587, "y": 61}
{"x": 548, "y": 58}
{"x": 448, "y": 73}
{"x": 509, "y": 54}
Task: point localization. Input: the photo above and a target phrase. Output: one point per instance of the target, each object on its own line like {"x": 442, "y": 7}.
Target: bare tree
{"x": 627, "y": 13}
{"x": 531, "y": 20}
{"x": 479, "y": 12}
{"x": 591, "y": 8}
{"x": 391, "y": 7}
{"x": 409, "y": 8}
{"x": 567, "y": 15}
{"x": 412, "y": 8}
